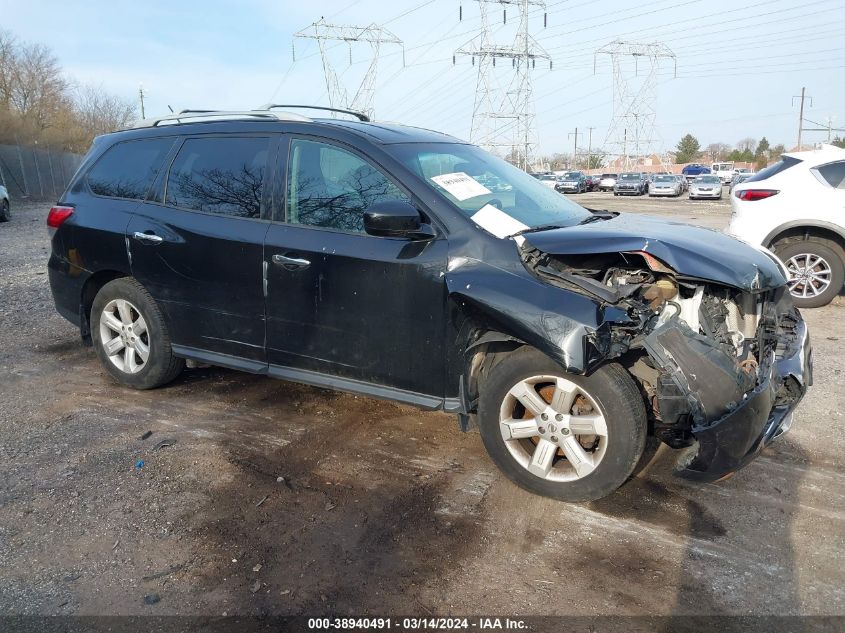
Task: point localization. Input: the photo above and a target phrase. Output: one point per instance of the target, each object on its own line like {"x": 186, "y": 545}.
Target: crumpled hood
{"x": 689, "y": 250}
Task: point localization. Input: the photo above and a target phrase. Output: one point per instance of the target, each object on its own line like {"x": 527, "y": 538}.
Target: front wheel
{"x": 5, "y": 214}
{"x": 130, "y": 336}
{"x": 560, "y": 435}
{"x": 816, "y": 271}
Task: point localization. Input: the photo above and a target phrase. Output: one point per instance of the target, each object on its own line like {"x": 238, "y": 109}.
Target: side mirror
{"x": 394, "y": 218}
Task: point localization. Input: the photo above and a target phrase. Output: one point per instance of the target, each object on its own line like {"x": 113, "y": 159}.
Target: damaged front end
{"x": 721, "y": 368}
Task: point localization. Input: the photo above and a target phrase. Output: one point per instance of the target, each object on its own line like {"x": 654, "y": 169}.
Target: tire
{"x": 5, "y": 213}
{"x": 604, "y": 465}
{"x": 129, "y": 307}
{"x": 829, "y": 267}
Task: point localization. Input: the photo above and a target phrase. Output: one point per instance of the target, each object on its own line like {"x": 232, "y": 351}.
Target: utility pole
{"x": 141, "y": 97}
{"x": 503, "y": 114}
{"x": 590, "y": 147}
{"x": 801, "y": 113}
{"x": 374, "y": 35}
{"x": 575, "y": 152}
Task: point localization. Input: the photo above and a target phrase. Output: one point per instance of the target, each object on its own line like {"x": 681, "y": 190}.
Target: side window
{"x": 223, "y": 175}
{"x": 332, "y": 188}
{"x": 833, "y": 174}
{"x": 127, "y": 169}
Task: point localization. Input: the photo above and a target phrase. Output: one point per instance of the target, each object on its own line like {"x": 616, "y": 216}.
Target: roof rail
{"x": 359, "y": 115}
{"x": 223, "y": 115}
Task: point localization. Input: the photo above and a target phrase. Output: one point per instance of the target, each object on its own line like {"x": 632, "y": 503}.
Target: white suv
{"x": 796, "y": 207}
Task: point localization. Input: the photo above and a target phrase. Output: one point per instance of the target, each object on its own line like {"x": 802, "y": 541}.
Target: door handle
{"x": 152, "y": 238}
{"x": 291, "y": 262}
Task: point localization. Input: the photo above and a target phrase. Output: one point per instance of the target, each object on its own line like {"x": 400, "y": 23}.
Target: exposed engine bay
{"x": 700, "y": 351}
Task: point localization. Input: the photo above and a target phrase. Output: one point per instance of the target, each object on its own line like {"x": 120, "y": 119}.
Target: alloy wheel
{"x": 553, "y": 428}
{"x": 124, "y": 336}
{"x": 809, "y": 275}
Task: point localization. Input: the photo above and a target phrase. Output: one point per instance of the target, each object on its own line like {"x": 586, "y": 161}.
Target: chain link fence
{"x": 36, "y": 174}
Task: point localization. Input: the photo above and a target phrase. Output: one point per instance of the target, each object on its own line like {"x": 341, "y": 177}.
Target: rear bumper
{"x": 66, "y": 283}
{"x": 729, "y": 443}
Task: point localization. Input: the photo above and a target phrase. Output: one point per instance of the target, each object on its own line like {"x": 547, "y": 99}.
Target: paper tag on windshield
{"x": 498, "y": 223}
{"x": 460, "y": 185}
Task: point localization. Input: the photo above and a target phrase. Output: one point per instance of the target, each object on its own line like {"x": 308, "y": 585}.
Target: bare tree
{"x": 100, "y": 113}
{"x": 748, "y": 144}
{"x": 717, "y": 151}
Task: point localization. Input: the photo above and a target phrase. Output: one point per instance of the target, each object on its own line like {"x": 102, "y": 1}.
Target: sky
{"x": 739, "y": 64}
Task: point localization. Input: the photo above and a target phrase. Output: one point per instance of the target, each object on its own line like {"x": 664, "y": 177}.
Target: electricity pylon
{"x": 633, "y": 127}
{"x": 374, "y": 35}
{"x": 503, "y": 113}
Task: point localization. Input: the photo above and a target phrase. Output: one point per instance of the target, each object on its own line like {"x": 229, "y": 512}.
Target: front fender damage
{"x": 720, "y": 368}
{"x": 576, "y": 331}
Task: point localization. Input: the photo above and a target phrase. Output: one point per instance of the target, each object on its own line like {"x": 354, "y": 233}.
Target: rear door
{"x": 343, "y": 303}
{"x": 198, "y": 248}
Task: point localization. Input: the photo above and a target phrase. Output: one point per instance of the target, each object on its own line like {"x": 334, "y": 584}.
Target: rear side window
{"x": 223, "y": 175}
{"x": 128, "y": 169}
{"x": 783, "y": 164}
{"x": 833, "y": 174}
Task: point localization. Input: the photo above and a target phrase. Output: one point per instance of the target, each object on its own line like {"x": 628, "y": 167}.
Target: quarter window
{"x": 833, "y": 174}
{"x": 223, "y": 175}
{"x": 332, "y": 188}
{"x": 128, "y": 169}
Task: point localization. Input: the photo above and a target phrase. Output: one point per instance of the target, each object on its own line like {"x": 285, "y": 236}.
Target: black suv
{"x": 372, "y": 258}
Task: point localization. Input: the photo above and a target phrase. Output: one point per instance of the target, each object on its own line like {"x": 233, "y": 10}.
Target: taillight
{"x": 58, "y": 215}
{"x": 755, "y": 194}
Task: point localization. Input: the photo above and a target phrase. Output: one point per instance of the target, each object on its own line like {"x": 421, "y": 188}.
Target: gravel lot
{"x": 382, "y": 508}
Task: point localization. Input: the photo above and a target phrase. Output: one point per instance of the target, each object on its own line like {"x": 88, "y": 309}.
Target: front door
{"x": 199, "y": 250}
{"x": 343, "y": 303}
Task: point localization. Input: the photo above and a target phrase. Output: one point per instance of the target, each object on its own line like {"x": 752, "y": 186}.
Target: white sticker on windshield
{"x": 498, "y": 222}
{"x": 460, "y": 185}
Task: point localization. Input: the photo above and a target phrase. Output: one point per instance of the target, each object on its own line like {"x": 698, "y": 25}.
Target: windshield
{"x": 629, "y": 177}
{"x": 571, "y": 175}
{"x": 456, "y": 173}
{"x": 608, "y": 175}
{"x": 707, "y": 180}
{"x": 664, "y": 179}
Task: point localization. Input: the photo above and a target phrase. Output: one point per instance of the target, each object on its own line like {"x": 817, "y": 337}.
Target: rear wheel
{"x": 816, "y": 271}
{"x": 130, "y": 336}
{"x": 5, "y": 213}
{"x": 569, "y": 437}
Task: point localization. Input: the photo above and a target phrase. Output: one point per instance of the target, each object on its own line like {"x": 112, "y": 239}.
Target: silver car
{"x": 664, "y": 185}
{"x": 5, "y": 214}
{"x": 607, "y": 182}
{"x": 706, "y": 186}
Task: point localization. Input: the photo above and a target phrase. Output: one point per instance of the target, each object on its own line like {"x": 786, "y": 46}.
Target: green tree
{"x": 761, "y": 156}
{"x": 838, "y": 141}
{"x": 687, "y": 149}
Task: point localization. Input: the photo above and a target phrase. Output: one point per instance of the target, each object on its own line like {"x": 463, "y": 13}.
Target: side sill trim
{"x": 223, "y": 360}
{"x": 317, "y": 379}
{"x": 356, "y": 386}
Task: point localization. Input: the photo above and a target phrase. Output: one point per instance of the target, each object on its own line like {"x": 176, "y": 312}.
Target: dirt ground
{"x": 276, "y": 498}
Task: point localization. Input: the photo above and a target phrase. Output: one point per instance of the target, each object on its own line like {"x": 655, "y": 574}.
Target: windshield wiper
{"x": 536, "y": 229}
{"x": 597, "y": 216}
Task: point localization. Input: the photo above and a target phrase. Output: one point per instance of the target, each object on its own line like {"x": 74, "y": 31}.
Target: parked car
{"x": 707, "y": 186}
{"x": 665, "y": 185}
{"x": 683, "y": 181}
{"x": 572, "y": 182}
{"x": 739, "y": 177}
{"x": 548, "y": 180}
{"x": 607, "y": 182}
{"x": 691, "y": 171}
{"x": 630, "y": 183}
{"x": 593, "y": 182}
{"x": 795, "y": 207}
{"x": 5, "y": 206}
{"x": 369, "y": 258}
